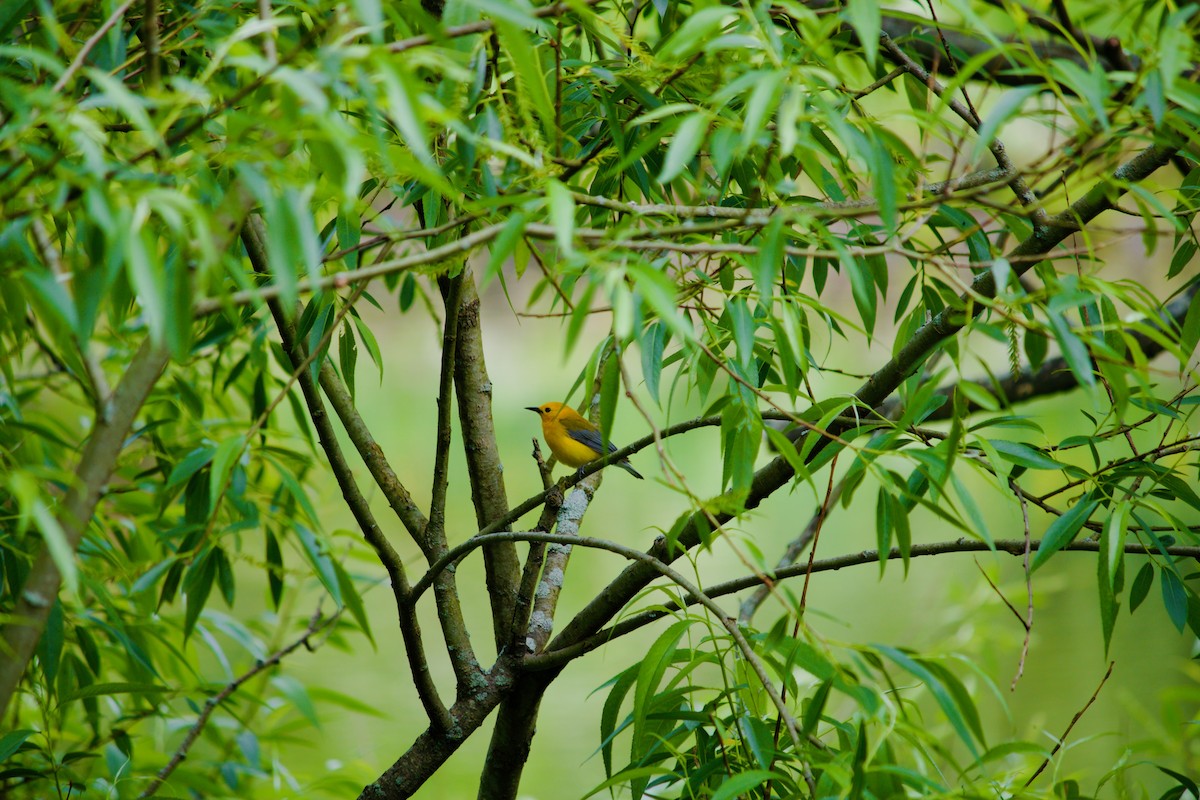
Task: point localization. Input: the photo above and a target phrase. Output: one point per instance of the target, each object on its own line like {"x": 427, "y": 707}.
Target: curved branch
{"x": 556, "y": 658}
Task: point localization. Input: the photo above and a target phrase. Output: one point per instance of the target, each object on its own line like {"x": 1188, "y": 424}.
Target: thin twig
{"x": 1028, "y": 621}
{"x": 315, "y": 625}
{"x": 90, "y": 45}
{"x": 1078, "y": 715}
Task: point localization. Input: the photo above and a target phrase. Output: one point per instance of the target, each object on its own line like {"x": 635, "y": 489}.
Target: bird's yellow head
{"x": 547, "y": 411}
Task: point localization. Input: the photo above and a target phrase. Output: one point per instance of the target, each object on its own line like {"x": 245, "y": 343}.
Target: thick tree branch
{"x": 484, "y": 468}
{"x": 516, "y": 720}
{"x": 431, "y": 749}
{"x": 96, "y": 465}
{"x": 435, "y": 527}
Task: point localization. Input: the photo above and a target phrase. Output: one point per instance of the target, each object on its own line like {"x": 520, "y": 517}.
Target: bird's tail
{"x": 625, "y": 465}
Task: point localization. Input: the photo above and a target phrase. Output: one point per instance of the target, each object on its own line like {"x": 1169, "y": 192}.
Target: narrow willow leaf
{"x": 1112, "y": 539}
{"x": 652, "y": 342}
{"x": 1141, "y": 586}
{"x": 867, "y": 19}
{"x": 561, "y": 208}
{"x": 1063, "y": 530}
{"x": 684, "y": 146}
{"x": 1175, "y": 597}
{"x": 531, "y": 78}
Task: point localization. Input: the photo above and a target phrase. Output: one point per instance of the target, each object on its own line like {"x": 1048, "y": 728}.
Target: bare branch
{"x": 485, "y": 471}
{"x": 1078, "y": 716}
{"x": 556, "y": 658}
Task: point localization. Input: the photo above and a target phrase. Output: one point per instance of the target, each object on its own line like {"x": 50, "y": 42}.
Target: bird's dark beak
{"x": 534, "y": 409}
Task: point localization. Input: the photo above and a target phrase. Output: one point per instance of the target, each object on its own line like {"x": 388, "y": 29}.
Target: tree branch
{"x": 484, "y": 468}
{"x": 96, "y": 466}
{"x": 555, "y": 659}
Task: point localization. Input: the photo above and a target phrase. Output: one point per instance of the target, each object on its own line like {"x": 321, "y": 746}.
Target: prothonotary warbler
{"x": 573, "y": 440}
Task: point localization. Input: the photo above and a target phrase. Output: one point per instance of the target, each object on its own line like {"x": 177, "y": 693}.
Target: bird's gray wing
{"x": 590, "y": 438}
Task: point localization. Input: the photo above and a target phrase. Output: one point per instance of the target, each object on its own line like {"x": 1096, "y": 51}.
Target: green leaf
{"x": 815, "y": 707}
{"x": 297, "y": 696}
{"x": 608, "y": 715}
{"x": 1009, "y": 105}
{"x": 224, "y": 458}
{"x": 1174, "y": 595}
{"x": 1184, "y": 781}
{"x": 650, "y": 674}
{"x": 347, "y": 357}
{"x": 1141, "y": 586}
{"x": 190, "y": 465}
{"x": 106, "y": 689}
{"x": 740, "y": 785}
{"x": 1063, "y": 530}
{"x": 274, "y": 558}
{"x": 148, "y": 278}
{"x": 12, "y": 741}
{"x": 659, "y": 292}
{"x": 945, "y": 700}
{"x": 561, "y": 208}
{"x": 652, "y": 342}
{"x": 1112, "y": 539}
{"x": 867, "y": 19}
{"x": 62, "y": 552}
{"x": 684, "y": 146}
{"x": 353, "y": 601}
{"x": 531, "y": 78}
{"x": 1024, "y": 455}
{"x": 1074, "y": 351}
{"x": 197, "y": 583}
{"x": 610, "y": 390}
{"x": 318, "y": 556}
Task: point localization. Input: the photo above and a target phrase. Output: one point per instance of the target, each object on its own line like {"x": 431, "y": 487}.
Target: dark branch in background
{"x": 556, "y": 659}
{"x": 254, "y": 239}
{"x": 922, "y": 39}
{"x": 485, "y": 472}
{"x": 1052, "y": 377}
{"x": 880, "y": 385}
{"x": 315, "y": 626}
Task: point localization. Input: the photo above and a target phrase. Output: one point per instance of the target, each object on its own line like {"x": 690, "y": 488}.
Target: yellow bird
{"x": 573, "y": 440}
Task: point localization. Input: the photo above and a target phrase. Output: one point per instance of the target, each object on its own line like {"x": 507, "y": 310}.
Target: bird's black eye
{"x": 546, "y": 409}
